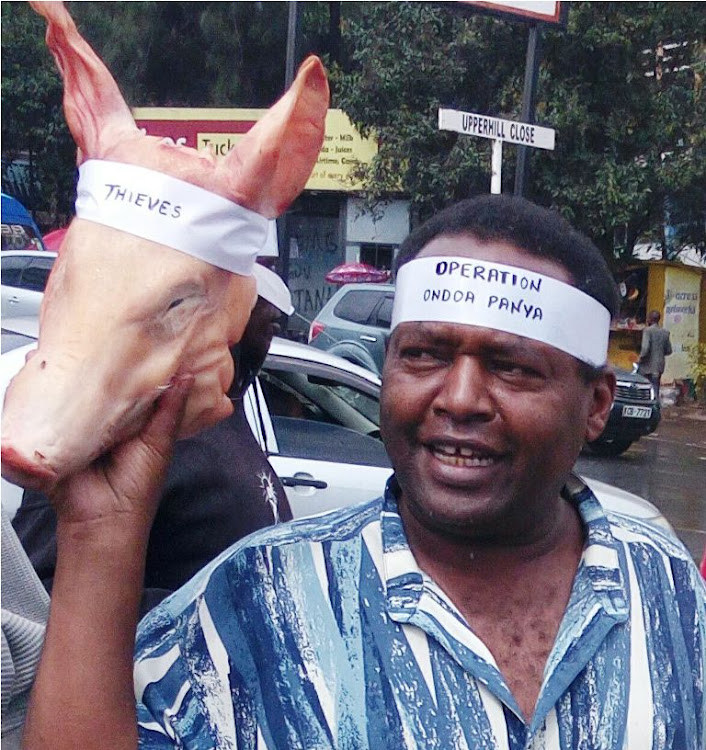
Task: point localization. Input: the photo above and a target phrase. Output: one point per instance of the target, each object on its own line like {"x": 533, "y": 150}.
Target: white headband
{"x": 271, "y": 287}
{"x": 172, "y": 212}
{"x": 505, "y": 298}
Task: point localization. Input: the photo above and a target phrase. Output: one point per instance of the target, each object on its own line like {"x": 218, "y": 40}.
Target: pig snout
{"x": 52, "y": 426}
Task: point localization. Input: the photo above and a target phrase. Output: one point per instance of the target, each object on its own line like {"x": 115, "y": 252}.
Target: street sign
{"x": 521, "y": 133}
{"x": 527, "y": 10}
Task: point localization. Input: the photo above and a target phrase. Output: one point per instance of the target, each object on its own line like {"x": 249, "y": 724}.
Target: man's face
{"x": 251, "y": 350}
{"x": 261, "y": 328}
{"x": 482, "y": 427}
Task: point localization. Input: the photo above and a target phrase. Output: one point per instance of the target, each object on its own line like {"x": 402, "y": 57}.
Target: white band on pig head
{"x": 505, "y": 298}
{"x": 172, "y": 212}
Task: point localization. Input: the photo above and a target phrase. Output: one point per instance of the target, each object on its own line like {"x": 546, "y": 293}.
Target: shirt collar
{"x": 602, "y": 563}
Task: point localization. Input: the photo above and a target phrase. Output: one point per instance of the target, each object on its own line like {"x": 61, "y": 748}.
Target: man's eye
{"x": 420, "y": 355}
{"x": 515, "y": 369}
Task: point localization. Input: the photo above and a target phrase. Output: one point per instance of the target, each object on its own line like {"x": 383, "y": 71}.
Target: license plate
{"x": 641, "y": 412}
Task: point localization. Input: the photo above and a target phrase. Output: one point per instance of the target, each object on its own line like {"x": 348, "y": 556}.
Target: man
{"x": 219, "y": 488}
{"x": 655, "y": 347}
{"x": 485, "y": 601}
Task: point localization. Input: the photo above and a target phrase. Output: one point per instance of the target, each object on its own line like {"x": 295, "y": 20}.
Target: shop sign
{"x": 220, "y": 129}
{"x": 682, "y": 292}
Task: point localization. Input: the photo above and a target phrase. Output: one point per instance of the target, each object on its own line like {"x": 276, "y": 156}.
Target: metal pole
{"x": 496, "y": 167}
{"x": 528, "y": 103}
{"x": 291, "y": 43}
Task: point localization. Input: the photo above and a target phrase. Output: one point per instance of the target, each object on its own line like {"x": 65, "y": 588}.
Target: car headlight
{"x": 652, "y": 393}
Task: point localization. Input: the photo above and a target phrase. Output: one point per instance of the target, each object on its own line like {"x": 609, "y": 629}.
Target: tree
{"x": 407, "y": 60}
{"x": 631, "y": 141}
{"x": 627, "y": 142}
{"x": 33, "y": 126}
{"x": 196, "y": 54}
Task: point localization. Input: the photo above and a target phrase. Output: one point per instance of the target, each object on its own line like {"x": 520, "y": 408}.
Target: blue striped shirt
{"x": 324, "y": 633}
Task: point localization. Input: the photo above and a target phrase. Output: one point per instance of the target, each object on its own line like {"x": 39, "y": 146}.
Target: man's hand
{"x": 124, "y": 485}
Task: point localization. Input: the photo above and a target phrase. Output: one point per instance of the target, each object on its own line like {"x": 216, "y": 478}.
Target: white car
{"x": 317, "y": 417}
{"x": 24, "y": 275}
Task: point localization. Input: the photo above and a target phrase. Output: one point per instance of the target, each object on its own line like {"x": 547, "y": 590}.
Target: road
{"x": 667, "y": 468}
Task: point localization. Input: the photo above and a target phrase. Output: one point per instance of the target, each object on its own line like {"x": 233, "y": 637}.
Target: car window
{"x": 317, "y": 398}
{"x": 319, "y": 441}
{"x": 382, "y": 317}
{"x": 35, "y": 276}
{"x": 357, "y": 305}
{"x": 19, "y": 237}
{"x": 327, "y": 412}
{"x": 11, "y": 340}
{"x": 11, "y": 271}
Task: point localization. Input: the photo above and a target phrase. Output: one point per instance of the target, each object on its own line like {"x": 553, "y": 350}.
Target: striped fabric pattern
{"x": 25, "y": 609}
{"x": 323, "y": 633}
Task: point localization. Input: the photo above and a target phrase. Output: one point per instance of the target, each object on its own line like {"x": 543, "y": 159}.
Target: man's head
{"x": 534, "y": 229}
{"x": 250, "y": 352}
{"x": 653, "y": 317}
{"x": 483, "y": 425}
{"x": 274, "y": 300}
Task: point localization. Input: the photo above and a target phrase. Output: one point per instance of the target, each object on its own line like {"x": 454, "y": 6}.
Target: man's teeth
{"x": 460, "y": 456}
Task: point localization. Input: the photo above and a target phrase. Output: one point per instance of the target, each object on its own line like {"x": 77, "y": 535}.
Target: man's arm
{"x": 645, "y": 348}
{"x": 83, "y": 695}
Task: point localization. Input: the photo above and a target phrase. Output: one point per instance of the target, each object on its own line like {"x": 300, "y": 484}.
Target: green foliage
{"x": 631, "y": 148}
{"x": 196, "y": 54}
{"x": 626, "y": 142}
{"x": 697, "y": 361}
{"x": 407, "y": 60}
{"x": 32, "y": 124}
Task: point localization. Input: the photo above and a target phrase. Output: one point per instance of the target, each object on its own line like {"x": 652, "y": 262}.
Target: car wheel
{"x": 609, "y": 448}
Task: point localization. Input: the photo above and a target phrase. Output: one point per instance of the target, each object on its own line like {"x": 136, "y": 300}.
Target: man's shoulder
{"x": 631, "y": 530}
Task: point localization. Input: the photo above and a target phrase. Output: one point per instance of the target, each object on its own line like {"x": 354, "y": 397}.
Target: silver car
{"x": 24, "y": 275}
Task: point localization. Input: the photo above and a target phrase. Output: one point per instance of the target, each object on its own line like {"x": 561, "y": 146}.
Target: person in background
{"x": 219, "y": 487}
{"x": 655, "y": 347}
{"x": 25, "y": 609}
{"x": 485, "y": 600}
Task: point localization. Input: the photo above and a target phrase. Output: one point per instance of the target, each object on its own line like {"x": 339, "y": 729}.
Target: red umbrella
{"x": 53, "y": 239}
{"x": 352, "y": 273}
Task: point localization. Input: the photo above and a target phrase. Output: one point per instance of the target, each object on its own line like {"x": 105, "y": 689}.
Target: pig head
{"x": 122, "y": 315}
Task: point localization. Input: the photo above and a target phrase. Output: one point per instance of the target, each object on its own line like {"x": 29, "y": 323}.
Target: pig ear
{"x": 270, "y": 166}
{"x": 95, "y": 110}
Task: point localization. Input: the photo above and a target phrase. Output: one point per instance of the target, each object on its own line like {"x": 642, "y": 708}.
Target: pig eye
{"x": 175, "y": 303}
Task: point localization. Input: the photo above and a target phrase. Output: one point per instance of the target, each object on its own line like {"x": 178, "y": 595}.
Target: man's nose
{"x": 465, "y": 392}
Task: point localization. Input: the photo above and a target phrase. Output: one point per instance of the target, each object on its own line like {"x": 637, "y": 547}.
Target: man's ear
{"x": 603, "y": 388}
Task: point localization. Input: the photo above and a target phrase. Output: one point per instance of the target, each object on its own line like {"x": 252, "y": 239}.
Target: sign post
{"x": 496, "y": 167}
{"x": 498, "y": 130}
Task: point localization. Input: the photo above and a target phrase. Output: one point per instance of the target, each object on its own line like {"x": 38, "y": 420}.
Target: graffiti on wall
{"x": 315, "y": 248}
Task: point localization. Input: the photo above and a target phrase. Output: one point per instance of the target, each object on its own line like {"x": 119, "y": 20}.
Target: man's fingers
{"x": 144, "y": 459}
{"x": 161, "y": 430}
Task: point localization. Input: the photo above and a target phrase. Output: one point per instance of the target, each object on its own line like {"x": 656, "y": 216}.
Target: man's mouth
{"x": 462, "y": 456}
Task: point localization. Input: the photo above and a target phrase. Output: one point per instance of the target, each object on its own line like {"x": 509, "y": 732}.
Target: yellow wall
{"x": 681, "y": 316}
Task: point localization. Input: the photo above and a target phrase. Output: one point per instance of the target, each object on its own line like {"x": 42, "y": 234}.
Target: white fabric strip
{"x": 172, "y": 212}
{"x": 271, "y": 287}
{"x": 505, "y": 298}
